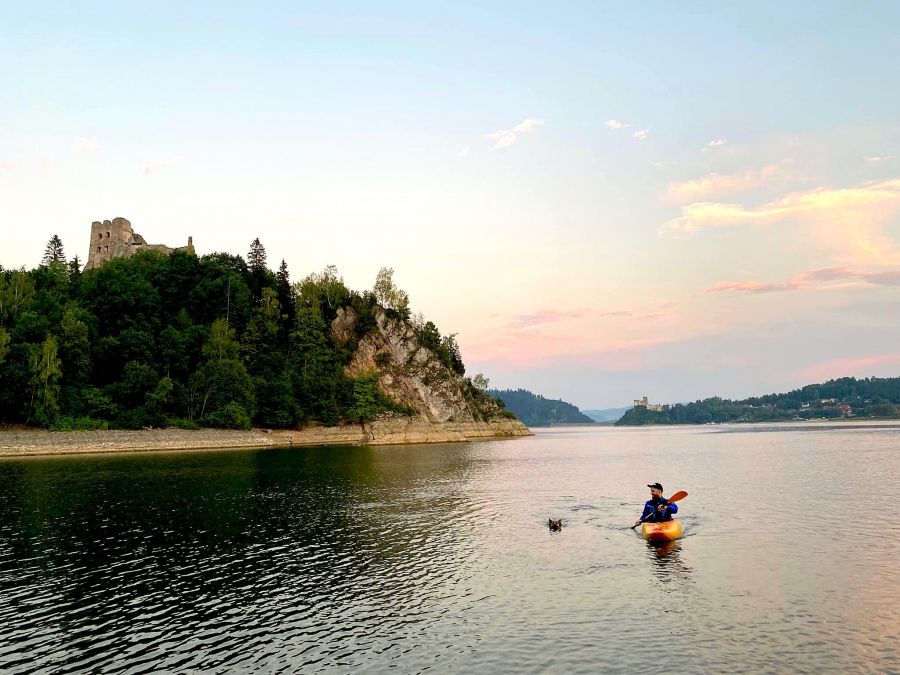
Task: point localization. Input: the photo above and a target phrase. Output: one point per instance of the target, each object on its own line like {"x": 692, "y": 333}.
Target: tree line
{"x": 846, "y": 396}
{"x": 536, "y": 411}
{"x": 181, "y": 340}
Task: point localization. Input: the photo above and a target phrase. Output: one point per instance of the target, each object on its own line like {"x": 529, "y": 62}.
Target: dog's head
{"x": 555, "y": 524}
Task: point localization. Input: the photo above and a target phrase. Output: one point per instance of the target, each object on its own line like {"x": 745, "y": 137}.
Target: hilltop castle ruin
{"x": 115, "y": 239}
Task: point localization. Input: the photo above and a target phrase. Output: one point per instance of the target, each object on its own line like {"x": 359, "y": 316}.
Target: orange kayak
{"x": 665, "y": 531}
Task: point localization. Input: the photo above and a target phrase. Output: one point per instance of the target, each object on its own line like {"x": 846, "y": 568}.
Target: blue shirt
{"x": 651, "y": 515}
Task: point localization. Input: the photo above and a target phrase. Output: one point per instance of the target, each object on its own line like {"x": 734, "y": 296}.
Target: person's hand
{"x": 661, "y": 507}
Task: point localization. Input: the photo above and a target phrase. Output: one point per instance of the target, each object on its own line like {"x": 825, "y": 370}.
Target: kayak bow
{"x": 664, "y": 531}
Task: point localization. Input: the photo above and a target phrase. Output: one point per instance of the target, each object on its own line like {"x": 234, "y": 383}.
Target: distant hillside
{"x": 607, "y": 414}
{"x": 844, "y": 397}
{"x": 536, "y": 411}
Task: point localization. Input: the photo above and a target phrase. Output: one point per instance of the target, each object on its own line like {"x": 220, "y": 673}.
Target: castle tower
{"x": 115, "y": 239}
{"x": 109, "y": 239}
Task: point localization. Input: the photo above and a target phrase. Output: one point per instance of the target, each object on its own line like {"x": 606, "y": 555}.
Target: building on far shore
{"x": 656, "y": 407}
{"x": 115, "y": 239}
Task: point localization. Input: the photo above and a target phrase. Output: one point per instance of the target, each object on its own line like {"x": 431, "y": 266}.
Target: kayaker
{"x": 657, "y": 509}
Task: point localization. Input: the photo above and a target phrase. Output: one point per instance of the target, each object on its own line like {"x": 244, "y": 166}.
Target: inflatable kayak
{"x": 665, "y": 531}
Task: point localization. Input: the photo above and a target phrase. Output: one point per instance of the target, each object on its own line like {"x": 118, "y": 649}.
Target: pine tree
{"x": 74, "y": 271}
{"x": 256, "y": 258}
{"x": 283, "y": 278}
{"x": 54, "y": 251}
{"x": 256, "y": 261}
{"x": 285, "y": 296}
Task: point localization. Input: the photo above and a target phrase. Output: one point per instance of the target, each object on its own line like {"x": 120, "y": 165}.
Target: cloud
{"x": 613, "y": 338}
{"x": 539, "y": 349}
{"x": 718, "y": 142}
{"x": 641, "y": 135}
{"x": 715, "y": 184}
{"x": 749, "y": 287}
{"x": 828, "y": 277}
{"x": 616, "y": 124}
{"x": 664, "y": 312}
{"x": 543, "y": 317}
{"x": 874, "y": 159}
{"x": 86, "y": 145}
{"x": 153, "y": 167}
{"x": 463, "y": 152}
{"x": 506, "y": 137}
{"x": 847, "y": 220}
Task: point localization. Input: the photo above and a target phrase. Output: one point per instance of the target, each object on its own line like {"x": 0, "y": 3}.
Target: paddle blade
{"x": 681, "y": 494}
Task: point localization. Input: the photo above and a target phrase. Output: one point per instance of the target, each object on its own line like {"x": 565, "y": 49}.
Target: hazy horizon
{"x": 603, "y": 202}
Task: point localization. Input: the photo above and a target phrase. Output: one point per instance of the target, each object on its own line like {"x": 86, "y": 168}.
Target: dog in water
{"x": 555, "y": 525}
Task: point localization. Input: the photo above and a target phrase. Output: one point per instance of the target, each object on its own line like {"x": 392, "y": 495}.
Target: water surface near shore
{"x": 438, "y": 557}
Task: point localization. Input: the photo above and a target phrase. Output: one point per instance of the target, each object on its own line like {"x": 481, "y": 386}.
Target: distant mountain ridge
{"x": 606, "y": 414}
{"x": 536, "y": 411}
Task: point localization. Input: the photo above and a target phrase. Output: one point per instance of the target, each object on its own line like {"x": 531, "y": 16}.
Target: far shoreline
{"x": 818, "y": 420}
{"x": 36, "y": 442}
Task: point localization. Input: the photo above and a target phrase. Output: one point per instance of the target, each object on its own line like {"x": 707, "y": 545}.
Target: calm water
{"x": 417, "y": 558}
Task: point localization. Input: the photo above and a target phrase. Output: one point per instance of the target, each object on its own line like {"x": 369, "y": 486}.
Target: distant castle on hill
{"x": 115, "y": 239}
{"x": 643, "y": 403}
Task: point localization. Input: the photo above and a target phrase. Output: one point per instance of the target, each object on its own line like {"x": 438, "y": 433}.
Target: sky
{"x": 603, "y": 200}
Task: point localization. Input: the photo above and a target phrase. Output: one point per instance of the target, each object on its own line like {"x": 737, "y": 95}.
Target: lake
{"x": 415, "y": 558}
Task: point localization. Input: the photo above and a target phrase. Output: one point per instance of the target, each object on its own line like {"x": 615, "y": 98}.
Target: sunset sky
{"x": 603, "y": 200}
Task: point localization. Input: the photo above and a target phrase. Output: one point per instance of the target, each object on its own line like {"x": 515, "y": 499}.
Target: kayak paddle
{"x": 681, "y": 494}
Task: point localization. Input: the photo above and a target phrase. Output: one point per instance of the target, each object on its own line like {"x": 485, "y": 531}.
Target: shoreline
{"x": 818, "y": 420}
{"x": 33, "y": 442}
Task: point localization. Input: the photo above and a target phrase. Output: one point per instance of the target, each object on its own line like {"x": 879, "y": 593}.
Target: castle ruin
{"x": 115, "y": 239}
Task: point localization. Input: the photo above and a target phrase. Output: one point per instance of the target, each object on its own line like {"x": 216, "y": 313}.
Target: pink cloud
{"x": 540, "y": 349}
{"x": 715, "y": 184}
{"x": 821, "y": 278}
{"x": 545, "y": 316}
{"x": 611, "y": 339}
{"x": 849, "y": 221}
{"x": 748, "y": 287}
{"x": 859, "y": 366}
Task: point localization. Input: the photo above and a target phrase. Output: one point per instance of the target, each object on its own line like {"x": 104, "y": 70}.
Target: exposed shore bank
{"x": 396, "y": 431}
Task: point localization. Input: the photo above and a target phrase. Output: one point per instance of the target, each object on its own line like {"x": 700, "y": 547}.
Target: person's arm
{"x": 671, "y": 508}
{"x": 648, "y": 509}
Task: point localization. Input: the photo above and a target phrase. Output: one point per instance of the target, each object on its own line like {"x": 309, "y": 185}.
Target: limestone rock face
{"x": 409, "y": 373}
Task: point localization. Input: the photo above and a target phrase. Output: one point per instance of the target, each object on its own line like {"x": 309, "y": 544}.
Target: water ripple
{"x": 439, "y": 558}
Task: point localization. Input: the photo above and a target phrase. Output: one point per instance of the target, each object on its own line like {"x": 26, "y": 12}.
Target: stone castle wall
{"x": 116, "y": 239}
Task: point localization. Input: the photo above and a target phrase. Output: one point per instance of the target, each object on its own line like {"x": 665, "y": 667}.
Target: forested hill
{"x": 844, "y": 397}
{"x": 180, "y": 340}
{"x": 535, "y": 410}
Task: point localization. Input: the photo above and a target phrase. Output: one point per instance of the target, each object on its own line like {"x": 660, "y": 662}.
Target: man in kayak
{"x": 657, "y": 509}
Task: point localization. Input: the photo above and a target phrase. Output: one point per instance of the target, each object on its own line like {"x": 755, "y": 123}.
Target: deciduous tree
{"x": 46, "y": 369}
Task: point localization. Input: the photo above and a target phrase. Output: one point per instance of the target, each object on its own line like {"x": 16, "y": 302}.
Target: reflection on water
{"x": 414, "y": 558}
{"x": 668, "y": 566}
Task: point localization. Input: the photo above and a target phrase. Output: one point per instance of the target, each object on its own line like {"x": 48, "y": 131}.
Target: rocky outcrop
{"x": 410, "y": 374}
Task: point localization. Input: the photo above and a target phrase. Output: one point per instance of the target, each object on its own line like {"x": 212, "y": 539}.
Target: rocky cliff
{"x": 412, "y": 375}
